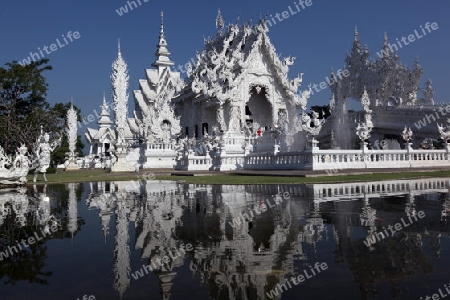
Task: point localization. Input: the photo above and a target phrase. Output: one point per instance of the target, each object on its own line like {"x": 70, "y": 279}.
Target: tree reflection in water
{"x": 27, "y": 213}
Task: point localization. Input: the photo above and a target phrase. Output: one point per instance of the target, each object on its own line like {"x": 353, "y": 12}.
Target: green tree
{"x": 23, "y": 108}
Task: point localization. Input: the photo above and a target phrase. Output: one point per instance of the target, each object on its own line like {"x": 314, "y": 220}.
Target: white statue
{"x": 5, "y": 160}
{"x": 444, "y": 131}
{"x": 19, "y": 169}
{"x": 314, "y": 130}
{"x": 429, "y": 92}
{"x": 306, "y": 123}
{"x": 407, "y": 134}
{"x": 363, "y": 132}
{"x": 42, "y": 153}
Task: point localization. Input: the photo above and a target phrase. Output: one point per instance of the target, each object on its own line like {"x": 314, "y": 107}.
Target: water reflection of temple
{"x": 246, "y": 260}
{"x": 397, "y": 257}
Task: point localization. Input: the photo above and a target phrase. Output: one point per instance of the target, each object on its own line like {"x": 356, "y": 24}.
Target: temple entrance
{"x": 258, "y": 110}
{"x": 107, "y": 146}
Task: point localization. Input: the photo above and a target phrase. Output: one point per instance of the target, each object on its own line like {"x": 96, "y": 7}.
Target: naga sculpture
{"x": 18, "y": 171}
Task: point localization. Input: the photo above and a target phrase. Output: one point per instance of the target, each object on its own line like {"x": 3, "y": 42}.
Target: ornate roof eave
{"x": 281, "y": 69}
{"x": 253, "y": 42}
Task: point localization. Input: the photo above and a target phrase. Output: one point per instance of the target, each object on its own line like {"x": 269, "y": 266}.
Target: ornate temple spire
{"x": 162, "y": 53}
{"x": 386, "y": 49}
{"x": 356, "y": 50}
{"x": 219, "y": 22}
{"x": 104, "y": 120}
{"x": 119, "y": 84}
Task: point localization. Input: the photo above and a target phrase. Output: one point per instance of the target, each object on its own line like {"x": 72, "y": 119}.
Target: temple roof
{"x": 227, "y": 59}
{"x": 104, "y": 120}
{"x": 100, "y": 135}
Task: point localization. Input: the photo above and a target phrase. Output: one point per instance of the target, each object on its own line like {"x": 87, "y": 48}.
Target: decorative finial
{"x": 219, "y": 21}
{"x": 118, "y": 47}
{"x": 162, "y": 23}
{"x": 356, "y": 33}
{"x": 385, "y": 39}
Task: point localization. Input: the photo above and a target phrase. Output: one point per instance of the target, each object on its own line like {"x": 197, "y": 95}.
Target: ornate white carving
{"x": 119, "y": 84}
{"x": 428, "y": 93}
{"x": 388, "y": 82}
{"x": 234, "y": 60}
{"x": 5, "y": 160}
{"x": 18, "y": 171}
{"x": 363, "y": 131}
{"x": 365, "y": 101}
{"x": 306, "y": 123}
{"x": 165, "y": 126}
{"x": 235, "y": 119}
{"x": 407, "y": 134}
{"x": 444, "y": 131}
{"x": 71, "y": 131}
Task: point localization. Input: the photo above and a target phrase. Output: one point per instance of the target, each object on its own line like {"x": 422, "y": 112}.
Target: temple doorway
{"x": 258, "y": 109}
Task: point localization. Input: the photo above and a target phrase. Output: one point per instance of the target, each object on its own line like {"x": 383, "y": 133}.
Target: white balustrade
{"x": 159, "y": 146}
{"x": 347, "y": 159}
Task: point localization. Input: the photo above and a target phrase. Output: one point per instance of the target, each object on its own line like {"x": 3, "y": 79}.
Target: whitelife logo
{"x": 53, "y": 47}
{"x": 378, "y": 236}
{"x": 411, "y": 38}
{"x": 297, "y": 279}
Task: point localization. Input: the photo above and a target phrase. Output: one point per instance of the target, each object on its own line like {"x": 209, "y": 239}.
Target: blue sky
{"x": 319, "y": 36}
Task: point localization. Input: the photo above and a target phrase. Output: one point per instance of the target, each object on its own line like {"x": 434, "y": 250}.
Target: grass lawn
{"x": 101, "y": 175}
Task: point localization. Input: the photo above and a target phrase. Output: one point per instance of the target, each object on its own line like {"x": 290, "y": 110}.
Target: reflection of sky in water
{"x": 109, "y": 231}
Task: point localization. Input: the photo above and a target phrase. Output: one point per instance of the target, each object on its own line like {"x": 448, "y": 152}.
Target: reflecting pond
{"x": 148, "y": 239}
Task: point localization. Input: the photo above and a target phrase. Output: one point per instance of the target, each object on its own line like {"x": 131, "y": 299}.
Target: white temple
{"x": 101, "y": 139}
{"x": 237, "y": 109}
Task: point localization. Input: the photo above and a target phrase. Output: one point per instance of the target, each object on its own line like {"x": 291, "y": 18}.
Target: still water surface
{"x": 171, "y": 240}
